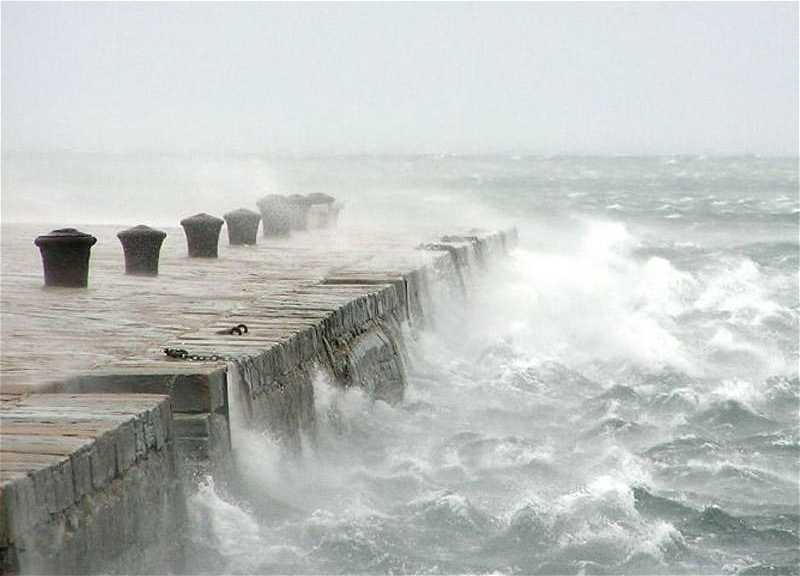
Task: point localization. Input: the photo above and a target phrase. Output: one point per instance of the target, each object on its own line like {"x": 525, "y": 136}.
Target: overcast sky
{"x": 413, "y": 77}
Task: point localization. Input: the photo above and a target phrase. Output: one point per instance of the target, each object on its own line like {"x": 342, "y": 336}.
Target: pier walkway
{"x": 49, "y": 334}
{"x": 90, "y": 404}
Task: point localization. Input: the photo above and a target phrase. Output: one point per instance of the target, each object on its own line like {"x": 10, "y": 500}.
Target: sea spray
{"x": 619, "y": 396}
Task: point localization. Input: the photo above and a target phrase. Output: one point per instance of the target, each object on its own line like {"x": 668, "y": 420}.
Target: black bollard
{"x": 242, "y": 226}
{"x": 319, "y": 198}
{"x": 333, "y": 214}
{"x": 202, "y": 234}
{"x": 319, "y": 210}
{"x": 141, "y": 246}
{"x": 65, "y": 257}
{"x": 274, "y": 215}
{"x": 298, "y": 211}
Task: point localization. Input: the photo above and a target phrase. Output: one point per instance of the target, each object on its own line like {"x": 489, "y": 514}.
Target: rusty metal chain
{"x": 181, "y": 354}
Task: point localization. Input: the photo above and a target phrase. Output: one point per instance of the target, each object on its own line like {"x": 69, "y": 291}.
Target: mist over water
{"x": 619, "y": 396}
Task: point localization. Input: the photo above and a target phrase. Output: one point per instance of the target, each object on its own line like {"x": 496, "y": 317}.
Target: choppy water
{"x": 620, "y": 396}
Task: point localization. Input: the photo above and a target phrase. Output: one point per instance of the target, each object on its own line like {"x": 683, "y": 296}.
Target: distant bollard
{"x": 319, "y": 198}
{"x": 242, "y": 226}
{"x": 65, "y": 257}
{"x": 319, "y": 209}
{"x": 333, "y": 217}
{"x": 318, "y": 216}
{"x": 202, "y": 234}
{"x": 275, "y": 215}
{"x": 141, "y": 246}
{"x": 298, "y": 211}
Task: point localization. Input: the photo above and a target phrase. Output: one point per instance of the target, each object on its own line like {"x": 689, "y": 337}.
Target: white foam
{"x": 224, "y": 526}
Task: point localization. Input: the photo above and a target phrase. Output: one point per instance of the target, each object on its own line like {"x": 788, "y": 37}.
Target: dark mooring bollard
{"x": 333, "y": 214}
{"x": 65, "y": 257}
{"x": 319, "y": 198}
{"x": 141, "y": 246}
{"x": 319, "y": 209}
{"x": 275, "y": 215}
{"x": 242, "y": 226}
{"x": 298, "y": 211}
{"x": 202, "y": 234}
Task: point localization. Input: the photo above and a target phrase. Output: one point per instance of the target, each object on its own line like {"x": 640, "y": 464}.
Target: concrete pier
{"x": 82, "y": 476}
{"x": 86, "y": 384}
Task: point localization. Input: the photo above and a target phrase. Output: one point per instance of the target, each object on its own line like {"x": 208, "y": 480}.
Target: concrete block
{"x": 345, "y": 318}
{"x": 356, "y": 314}
{"x": 165, "y": 413}
{"x": 103, "y": 460}
{"x": 338, "y": 324}
{"x": 398, "y": 300}
{"x": 220, "y": 436}
{"x": 361, "y": 311}
{"x": 44, "y": 487}
{"x": 193, "y": 449}
{"x": 82, "y": 472}
{"x": 18, "y": 509}
{"x": 192, "y": 425}
{"x": 149, "y": 431}
{"x": 204, "y": 439}
{"x": 161, "y": 424}
{"x": 308, "y": 343}
{"x": 140, "y": 439}
{"x": 257, "y": 371}
{"x": 415, "y": 287}
{"x": 376, "y": 304}
{"x": 264, "y": 368}
{"x": 75, "y": 448}
{"x": 125, "y": 445}
{"x": 64, "y": 488}
{"x": 293, "y": 351}
{"x": 280, "y": 359}
{"x": 191, "y": 388}
{"x": 97, "y": 534}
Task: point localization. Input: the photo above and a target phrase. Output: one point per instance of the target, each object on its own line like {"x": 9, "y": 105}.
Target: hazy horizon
{"x": 300, "y": 79}
{"x": 266, "y": 154}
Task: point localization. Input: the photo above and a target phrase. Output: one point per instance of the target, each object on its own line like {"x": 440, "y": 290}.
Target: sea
{"x": 618, "y": 396}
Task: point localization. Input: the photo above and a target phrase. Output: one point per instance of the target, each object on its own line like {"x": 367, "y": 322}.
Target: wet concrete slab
{"x": 49, "y": 334}
{"x": 70, "y": 461}
{"x": 56, "y": 448}
{"x": 86, "y": 391}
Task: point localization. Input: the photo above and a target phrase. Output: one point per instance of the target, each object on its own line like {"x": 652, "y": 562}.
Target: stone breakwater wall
{"x": 350, "y": 326}
{"x": 96, "y": 464}
{"x": 85, "y": 477}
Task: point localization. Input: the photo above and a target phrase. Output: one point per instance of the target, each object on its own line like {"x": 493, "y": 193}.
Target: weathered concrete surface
{"x": 84, "y": 476}
{"x": 330, "y": 298}
{"x": 331, "y": 301}
{"x": 198, "y": 393}
{"x": 48, "y": 334}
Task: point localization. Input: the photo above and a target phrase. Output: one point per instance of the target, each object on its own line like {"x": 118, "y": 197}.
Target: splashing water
{"x": 619, "y": 396}
{"x": 607, "y": 405}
